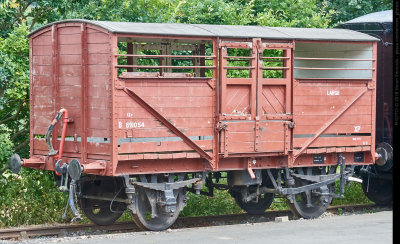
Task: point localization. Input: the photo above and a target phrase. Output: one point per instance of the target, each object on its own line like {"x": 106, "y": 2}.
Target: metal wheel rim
{"x": 299, "y": 206}
{"x": 252, "y": 207}
{"x": 300, "y": 209}
{"x": 162, "y": 221}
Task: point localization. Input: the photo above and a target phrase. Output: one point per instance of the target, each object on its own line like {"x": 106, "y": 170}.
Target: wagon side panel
{"x": 186, "y": 105}
{"x": 333, "y": 99}
{"x": 70, "y": 66}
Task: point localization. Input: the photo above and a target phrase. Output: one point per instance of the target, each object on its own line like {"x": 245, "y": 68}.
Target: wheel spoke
{"x": 151, "y": 213}
{"x": 308, "y": 204}
{"x": 308, "y": 197}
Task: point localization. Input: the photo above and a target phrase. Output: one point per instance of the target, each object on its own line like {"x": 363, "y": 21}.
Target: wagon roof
{"x": 377, "y": 17}
{"x": 227, "y": 31}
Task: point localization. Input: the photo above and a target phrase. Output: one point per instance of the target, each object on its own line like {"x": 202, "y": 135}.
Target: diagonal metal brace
{"x": 329, "y": 123}
{"x": 167, "y": 124}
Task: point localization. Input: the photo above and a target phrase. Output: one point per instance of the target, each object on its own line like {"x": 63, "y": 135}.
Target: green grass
{"x": 353, "y": 194}
{"x": 221, "y": 203}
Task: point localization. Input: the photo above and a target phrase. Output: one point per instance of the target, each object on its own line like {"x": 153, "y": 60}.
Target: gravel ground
{"x": 99, "y": 235}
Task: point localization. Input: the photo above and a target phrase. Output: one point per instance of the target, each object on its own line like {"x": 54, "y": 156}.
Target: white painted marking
{"x": 130, "y": 125}
{"x": 333, "y": 92}
{"x": 357, "y": 128}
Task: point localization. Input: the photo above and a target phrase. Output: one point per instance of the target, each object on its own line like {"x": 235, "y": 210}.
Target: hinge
{"x": 221, "y": 126}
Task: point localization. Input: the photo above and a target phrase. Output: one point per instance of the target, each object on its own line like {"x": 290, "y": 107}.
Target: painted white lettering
{"x": 130, "y": 125}
{"x": 333, "y": 93}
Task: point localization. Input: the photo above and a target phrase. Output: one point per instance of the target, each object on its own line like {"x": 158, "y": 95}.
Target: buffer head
{"x": 15, "y": 163}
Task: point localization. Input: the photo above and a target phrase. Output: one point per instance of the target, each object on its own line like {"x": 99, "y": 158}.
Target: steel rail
{"x": 62, "y": 230}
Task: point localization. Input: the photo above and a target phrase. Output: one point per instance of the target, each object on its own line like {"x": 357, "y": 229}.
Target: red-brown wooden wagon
{"x": 151, "y": 111}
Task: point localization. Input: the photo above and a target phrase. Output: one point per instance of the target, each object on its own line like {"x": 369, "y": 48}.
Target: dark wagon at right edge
{"x": 378, "y": 178}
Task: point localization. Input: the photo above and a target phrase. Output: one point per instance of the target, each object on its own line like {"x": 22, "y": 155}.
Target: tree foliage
{"x": 293, "y": 13}
{"x": 347, "y": 10}
{"x": 214, "y": 12}
{"x": 14, "y": 81}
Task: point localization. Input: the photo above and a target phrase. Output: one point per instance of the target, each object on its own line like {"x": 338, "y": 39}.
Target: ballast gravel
{"x": 99, "y": 235}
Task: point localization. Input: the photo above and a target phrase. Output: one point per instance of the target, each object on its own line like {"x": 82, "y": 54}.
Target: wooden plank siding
{"x": 187, "y": 105}
{"x": 318, "y": 102}
{"x": 69, "y": 57}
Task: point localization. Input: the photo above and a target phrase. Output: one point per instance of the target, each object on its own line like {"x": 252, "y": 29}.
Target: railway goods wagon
{"x": 152, "y": 111}
{"x": 378, "y": 178}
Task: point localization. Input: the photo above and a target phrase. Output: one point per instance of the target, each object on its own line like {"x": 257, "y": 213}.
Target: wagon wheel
{"x": 98, "y": 211}
{"x": 316, "y": 206}
{"x": 256, "y": 206}
{"x": 145, "y": 199}
{"x": 379, "y": 191}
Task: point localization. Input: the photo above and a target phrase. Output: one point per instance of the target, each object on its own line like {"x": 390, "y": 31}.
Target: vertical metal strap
{"x": 84, "y": 84}
{"x": 249, "y": 169}
{"x": 226, "y": 141}
{"x": 257, "y": 135}
{"x": 55, "y": 72}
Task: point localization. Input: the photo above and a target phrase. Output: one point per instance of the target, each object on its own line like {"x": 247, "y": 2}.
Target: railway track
{"x": 21, "y": 233}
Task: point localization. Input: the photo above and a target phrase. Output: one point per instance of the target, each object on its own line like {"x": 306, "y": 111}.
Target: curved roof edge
{"x": 385, "y": 16}
{"x": 226, "y": 31}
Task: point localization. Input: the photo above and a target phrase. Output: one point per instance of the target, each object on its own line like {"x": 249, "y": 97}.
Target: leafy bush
{"x": 6, "y": 148}
{"x": 30, "y": 198}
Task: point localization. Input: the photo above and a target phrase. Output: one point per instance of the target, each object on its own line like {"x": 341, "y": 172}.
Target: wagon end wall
{"x": 71, "y": 69}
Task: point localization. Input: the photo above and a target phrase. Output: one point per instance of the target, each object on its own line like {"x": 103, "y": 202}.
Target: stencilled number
{"x": 131, "y": 125}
